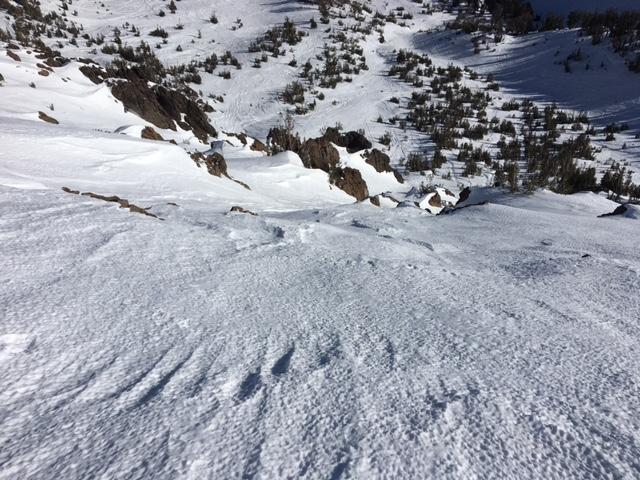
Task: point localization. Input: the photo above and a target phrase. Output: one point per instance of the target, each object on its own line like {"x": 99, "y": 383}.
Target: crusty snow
{"x": 496, "y": 342}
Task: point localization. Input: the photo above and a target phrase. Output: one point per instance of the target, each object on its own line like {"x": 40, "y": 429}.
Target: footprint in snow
{"x": 282, "y": 364}
{"x": 249, "y": 386}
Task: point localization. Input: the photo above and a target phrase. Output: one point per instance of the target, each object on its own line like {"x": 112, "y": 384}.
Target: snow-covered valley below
{"x": 165, "y": 314}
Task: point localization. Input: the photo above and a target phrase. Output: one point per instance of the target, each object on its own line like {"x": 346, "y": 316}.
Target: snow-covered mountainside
{"x": 318, "y": 239}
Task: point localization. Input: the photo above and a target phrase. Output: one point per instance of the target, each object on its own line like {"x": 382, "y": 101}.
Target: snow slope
{"x": 531, "y": 66}
{"x": 312, "y": 336}
{"x": 344, "y": 343}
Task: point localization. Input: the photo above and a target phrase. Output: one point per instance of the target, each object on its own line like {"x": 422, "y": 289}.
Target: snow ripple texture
{"x": 348, "y": 343}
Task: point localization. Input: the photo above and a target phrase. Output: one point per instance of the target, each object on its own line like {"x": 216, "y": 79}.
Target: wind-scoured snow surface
{"x": 328, "y": 340}
{"x": 348, "y": 343}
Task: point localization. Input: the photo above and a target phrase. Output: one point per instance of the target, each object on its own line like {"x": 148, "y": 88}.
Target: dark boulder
{"x": 46, "y": 118}
{"x": 382, "y": 163}
{"x": 355, "y": 141}
{"x": 258, "y": 146}
{"x": 93, "y": 73}
{"x": 238, "y": 209}
{"x": 464, "y": 195}
{"x": 352, "y": 141}
{"x": 350, "y": 181}
{"x": 215, "y": 163}
{"x": 319, "y": 153}
{"x": 240, "y": 136}
{"x": 435, "y": 200}
{"x": 619, "y": 210}
{"x": 149, "y": 133}
{"x": 13, "y": 56}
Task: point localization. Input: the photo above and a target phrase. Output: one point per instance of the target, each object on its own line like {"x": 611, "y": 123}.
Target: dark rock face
{"x": 123, "y": 202}
{"x": 619, "y": 210}
{"x": 240, "y": 136}
{"x": 215, "y": 163}
{"x": 464, "y": 195}
{"x": 351, "y": 182}
{"x": 139, "y": 98}
{"x": 51, "y": 58}
{"x": 319, "y": 153}
{"x": 239, "y": 209}
{"x": 46, "y": 118}
{"x": 258, "y": 146}
{"x": 436, "y": 201}
{"x": 93, "y": 73}
{"x": 163, "y": 107}
{"x": 13, "y": 56}
{"x": 382, "y": 163}
{"x": 352, "y": 141}
{"x": 279, "y": 139}
{"x": 149, "y": 133}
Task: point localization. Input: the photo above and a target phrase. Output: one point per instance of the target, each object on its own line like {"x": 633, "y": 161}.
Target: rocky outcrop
{"x": 51, "y": 58}
{"x": 355, "y": 142}
{"x": 352, "y": 141}
{"x": 163, "y": 107}
{"x": 619, "y": 210}
{"x": 350, "y": 181}
{"x": 319, "y": 153}
{"x": 258, "y": 146}
{"x": 436, "y": 200}
{"x": 382, "y": 163}
{"x": 94, "y": 73}
{"x": 46, "y": 118}
{"x": 464, "y": 195}
{"x": 240, "y": 136}
{"x": 142, "y": 100}
{"x": 214, "y": 163}
{"x": 13, "y": 56}
{"x": 123, "y": 202}
{"x": 239, "y": 209}
{"x": 149, "y": 133}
